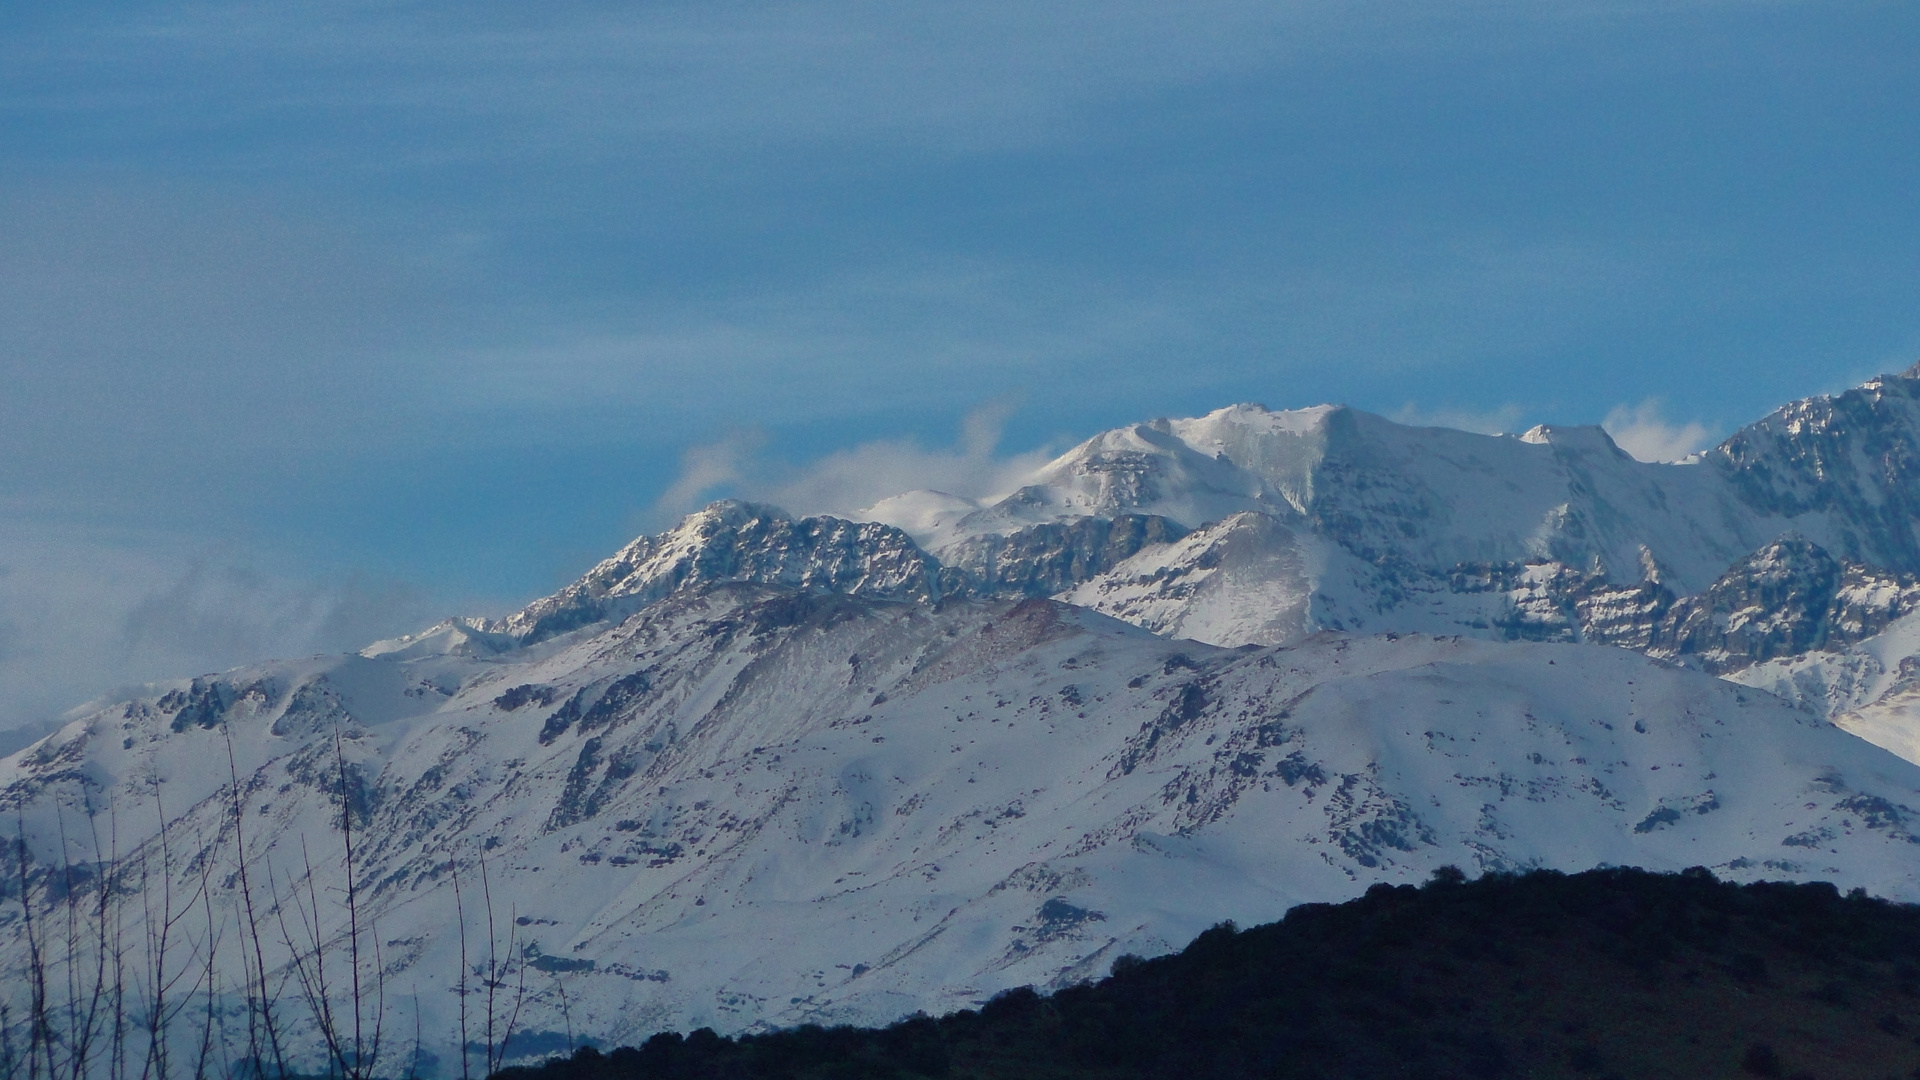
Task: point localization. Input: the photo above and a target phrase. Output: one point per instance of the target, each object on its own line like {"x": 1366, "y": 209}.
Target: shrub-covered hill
{"x": 1609, "y": 973}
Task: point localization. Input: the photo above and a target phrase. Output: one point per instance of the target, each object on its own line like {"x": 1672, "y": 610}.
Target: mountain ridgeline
{"x": 743, "y": 542}
{"x": 1796, "y": 534}
{"x": 760, "y": 771}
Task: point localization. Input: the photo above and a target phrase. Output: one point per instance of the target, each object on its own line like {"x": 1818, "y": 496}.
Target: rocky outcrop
{"x": 1788, "y": 598}
{"x": 742, "y": 542}
{"x": 1852, "y": 460}
{"x": 1049, "y": 559}
{"x": 735, "y": 541}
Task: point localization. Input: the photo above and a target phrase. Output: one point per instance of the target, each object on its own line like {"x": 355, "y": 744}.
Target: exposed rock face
{"x": 1776, "y": 602}
{"x": 1048, "y": 559}
{"x": 1852, "y": 459}
{"x": 734, "y": 541}
{"x": 1790, "y": 597}
{"x": 741, "y": 542}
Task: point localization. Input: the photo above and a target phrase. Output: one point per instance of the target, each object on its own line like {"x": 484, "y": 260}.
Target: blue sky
{"x": 321, "y": 319}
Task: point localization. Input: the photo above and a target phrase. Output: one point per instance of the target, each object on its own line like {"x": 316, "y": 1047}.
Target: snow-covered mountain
{"x": 1348, "y": 521}
{"x": 762, "y": 769}
{"x": 751, "y": 805}
{"x": 1253, "y": 526}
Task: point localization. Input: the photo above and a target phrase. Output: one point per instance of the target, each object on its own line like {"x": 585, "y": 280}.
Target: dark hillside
{"x": 1609, "y": 973}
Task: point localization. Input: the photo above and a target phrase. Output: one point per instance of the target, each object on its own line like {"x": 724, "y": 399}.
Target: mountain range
{"x": 762, "y": 769}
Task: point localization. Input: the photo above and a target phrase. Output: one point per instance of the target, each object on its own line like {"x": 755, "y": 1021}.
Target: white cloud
{"x": 709, "y": 467}
{"x": 1643, "y": 431}
{"x": 847, "y": 481}
{"x": 81, "y": 617}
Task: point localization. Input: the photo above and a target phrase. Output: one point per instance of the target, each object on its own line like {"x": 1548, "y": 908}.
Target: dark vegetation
{"x": 1609, "y": 973}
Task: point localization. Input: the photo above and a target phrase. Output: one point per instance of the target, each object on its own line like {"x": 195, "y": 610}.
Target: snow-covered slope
{"x": 749, "y": 805}
{"x": 1870, "y": 687}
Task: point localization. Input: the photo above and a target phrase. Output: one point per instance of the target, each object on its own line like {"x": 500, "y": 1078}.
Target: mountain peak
{"x": 1589, "y": 437}
{"x": 732, "y": 512}
{"x": 736, "y": 541}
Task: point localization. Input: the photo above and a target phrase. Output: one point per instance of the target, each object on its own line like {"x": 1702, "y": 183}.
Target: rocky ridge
{"x": 1850, "y": 462}
{"x": 734, "y": 541}
{"x": 737, "y": 541}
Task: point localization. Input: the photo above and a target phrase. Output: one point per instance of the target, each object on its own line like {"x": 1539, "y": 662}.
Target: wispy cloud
{"x": 850, "y": 480}
{"x": 711, "y": 467}
{"x": 81, "y": 618}
{"x": 1644, "y": 431}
